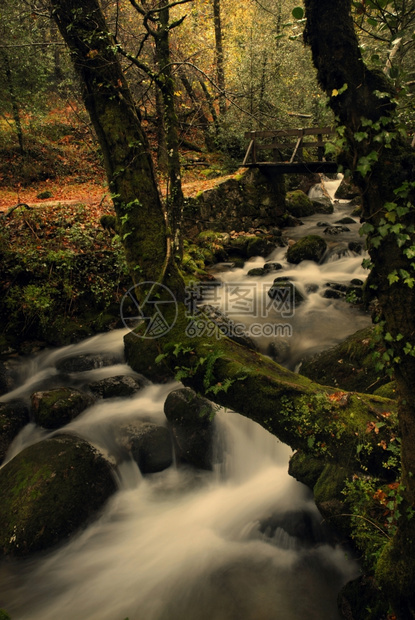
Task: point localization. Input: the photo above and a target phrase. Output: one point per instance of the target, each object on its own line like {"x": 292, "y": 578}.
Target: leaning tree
{"x": 307, "y": 416}
{"x": 379, "y": 154}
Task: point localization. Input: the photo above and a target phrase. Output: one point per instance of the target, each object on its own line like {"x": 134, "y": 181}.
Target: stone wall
{"x": 247, "y": 200}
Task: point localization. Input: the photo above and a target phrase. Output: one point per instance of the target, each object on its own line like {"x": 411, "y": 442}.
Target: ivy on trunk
{"x": 382, "y": 163}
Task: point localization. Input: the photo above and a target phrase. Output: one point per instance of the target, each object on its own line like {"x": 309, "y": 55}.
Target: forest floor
{"x": 62, "y": 165}
{"x": 62, "y": 275}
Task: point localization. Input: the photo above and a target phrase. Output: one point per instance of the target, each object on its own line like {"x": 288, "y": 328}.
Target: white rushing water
{"x": 243, "y": 542}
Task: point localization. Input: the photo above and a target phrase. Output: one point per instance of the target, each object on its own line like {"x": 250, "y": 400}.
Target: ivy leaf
{"x": 366, "y": 229}
{"x": 364, "y": 166}
{"x": 391, "y": 216}
{"x": 393, "y": 277}
{"x": 298, "y": 12}
{"x": 410, "y": 252}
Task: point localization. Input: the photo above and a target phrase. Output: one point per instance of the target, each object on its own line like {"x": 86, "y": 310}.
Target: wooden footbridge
{"x": 287, "y": 151}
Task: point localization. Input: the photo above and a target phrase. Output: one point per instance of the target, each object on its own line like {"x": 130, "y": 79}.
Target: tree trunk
{"x": 128, "y": 164}
{"x": 175, "y": 199}
{"x": 162, "y": 157}
{"x": 220, "y": 64}
{"x": 382, "y": 163}
{"x": 13, "y": 101}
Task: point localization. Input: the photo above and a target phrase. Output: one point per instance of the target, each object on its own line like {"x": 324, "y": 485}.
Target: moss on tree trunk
{"x": 381, "y": 161}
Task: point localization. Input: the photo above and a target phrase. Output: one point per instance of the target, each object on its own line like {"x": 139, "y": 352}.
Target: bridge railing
{"x": 287, "y": 145}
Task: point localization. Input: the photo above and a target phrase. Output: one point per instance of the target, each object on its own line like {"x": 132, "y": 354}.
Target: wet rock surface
{"x": 14, "y": 415}
{"x": 53, "y": 409}
{"x": 48, "y": 491}
{"x": 192, "y": 425}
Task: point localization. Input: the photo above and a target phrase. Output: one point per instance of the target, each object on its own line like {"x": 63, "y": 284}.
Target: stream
{"x": 242, "y": 542}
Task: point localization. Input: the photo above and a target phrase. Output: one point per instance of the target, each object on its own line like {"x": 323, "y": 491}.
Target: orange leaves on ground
{"x": 66, "y": 190}
{"x": 341, "y": 398}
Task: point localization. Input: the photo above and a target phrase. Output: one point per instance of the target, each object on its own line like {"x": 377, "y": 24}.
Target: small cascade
{"x": 323, "y": 317}
{"x": 242, "y": 542}
{"x": 238, "y": 542}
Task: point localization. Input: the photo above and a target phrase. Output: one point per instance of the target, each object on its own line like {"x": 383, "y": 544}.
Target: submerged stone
{"x": 150, "y": 446}
{"x": 256, "y": 272}
{"x": 285, "y": 295}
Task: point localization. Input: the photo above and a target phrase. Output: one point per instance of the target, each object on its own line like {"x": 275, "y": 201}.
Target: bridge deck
{"x": 297, "y": 167}
{"x": 290, "y": 150}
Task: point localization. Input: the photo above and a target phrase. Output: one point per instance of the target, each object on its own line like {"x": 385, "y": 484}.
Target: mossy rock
{"x": 349, "y": 365}
{"x": 259, "y": 246}
{"x": 388, "y": 390}
{"x": 395, "y": 570}
{"x": 299, "y": 204}
{"x": 361, "y": 599}
{"x": 311, "y": 247}
{"x": 330, "y": 484}
{"x": 48, "y": 491}
{"x": 239, "y": 245}
{"x": 14, "y": 415}
{"x": 8, "y": 372}
{"x": 305, "y": 468}
{"x": 44, "y": 195}
{"x": 140, "y": 354}
{"x": 54, "y": 408}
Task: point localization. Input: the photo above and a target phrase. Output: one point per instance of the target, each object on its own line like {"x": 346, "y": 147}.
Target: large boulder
{"x": 191, "y": 422}
{"x": 48, "y": 491}
{"x": 14, "y": 415}
{"x": 311, "y": 247}
{"x": 55, "y": 408}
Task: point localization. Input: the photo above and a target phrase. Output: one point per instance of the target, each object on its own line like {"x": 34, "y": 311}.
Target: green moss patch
{"x": 48, "y": 491}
